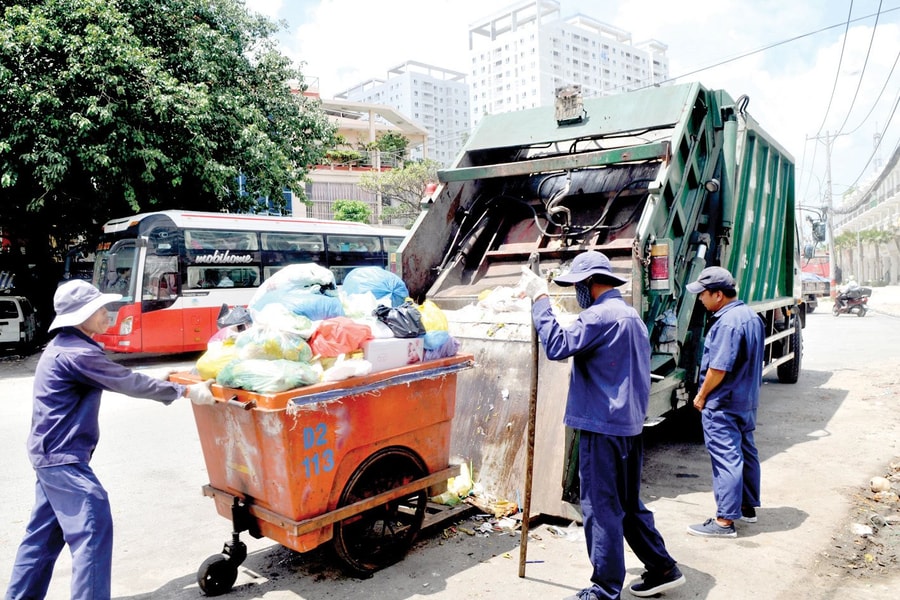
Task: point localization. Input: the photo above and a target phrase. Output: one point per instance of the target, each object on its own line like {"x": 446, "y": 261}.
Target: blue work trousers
{"x": 610, "y": 471}
{"x": 735, "y": 461}
{"x": 71, "y": 507}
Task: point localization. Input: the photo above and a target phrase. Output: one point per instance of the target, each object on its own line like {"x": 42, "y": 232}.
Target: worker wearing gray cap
{"x": 730, "y": 378}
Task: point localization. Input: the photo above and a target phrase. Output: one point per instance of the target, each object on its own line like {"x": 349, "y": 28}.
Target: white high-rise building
{"x": 523, "y": 54}
{"x": 433, "y": 97}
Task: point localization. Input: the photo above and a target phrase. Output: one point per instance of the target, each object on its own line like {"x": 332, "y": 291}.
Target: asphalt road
{"x": 820, "y": 440}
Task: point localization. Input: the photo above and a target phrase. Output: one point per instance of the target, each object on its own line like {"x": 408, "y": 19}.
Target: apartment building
{"x": 434, "y": 97}
{"x": 871, "y": 214}
{"x": 523, "y": 54}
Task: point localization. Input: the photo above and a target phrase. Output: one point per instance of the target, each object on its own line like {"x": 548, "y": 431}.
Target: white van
{"x": 18, "y": 323}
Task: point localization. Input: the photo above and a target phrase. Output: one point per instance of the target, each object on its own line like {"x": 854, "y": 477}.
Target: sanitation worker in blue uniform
{"x": 730, "y": 377}
{"x": 609, "y": 392}
{"x": 71, "y": 507}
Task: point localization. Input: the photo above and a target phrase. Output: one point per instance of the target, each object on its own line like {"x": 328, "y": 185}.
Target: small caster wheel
{"x": 216, "y": 575}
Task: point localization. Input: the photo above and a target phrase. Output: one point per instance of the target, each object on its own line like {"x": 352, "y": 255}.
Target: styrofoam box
{"x": 390, "y": 353}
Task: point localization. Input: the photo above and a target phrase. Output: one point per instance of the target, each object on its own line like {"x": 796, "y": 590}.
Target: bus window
{"x": 200, "y": 239}
{"x": 353, "y": 243}
{"x": 292, "y": 242}
{"x": 220, "y": 277}
{"x": 159, "y": 277}
{"x": 391, "y": 244}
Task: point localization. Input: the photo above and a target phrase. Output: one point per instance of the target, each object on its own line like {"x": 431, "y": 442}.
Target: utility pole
{"x": 829, "y": 212}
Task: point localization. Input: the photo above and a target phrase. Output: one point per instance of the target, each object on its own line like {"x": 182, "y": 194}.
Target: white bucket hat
{"x": 75, "y": 301}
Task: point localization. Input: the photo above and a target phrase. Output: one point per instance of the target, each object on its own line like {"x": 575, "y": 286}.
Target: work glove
{"x": 200, "y": 394}
{"x": 533, "y": 284}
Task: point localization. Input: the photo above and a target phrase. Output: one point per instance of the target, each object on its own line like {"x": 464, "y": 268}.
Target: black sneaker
{"x": 748, "y": 514}
{"x": 657, "y": 583}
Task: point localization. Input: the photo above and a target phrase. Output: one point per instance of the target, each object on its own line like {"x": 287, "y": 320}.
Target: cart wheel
{"x": 382, "y": 535}
{"x": 217, "y": 574}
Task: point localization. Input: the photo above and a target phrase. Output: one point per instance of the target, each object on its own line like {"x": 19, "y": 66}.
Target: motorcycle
{"x": 854, "y": 300}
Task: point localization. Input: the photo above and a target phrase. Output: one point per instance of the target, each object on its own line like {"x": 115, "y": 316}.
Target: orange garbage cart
{"x": 351, "y": 462}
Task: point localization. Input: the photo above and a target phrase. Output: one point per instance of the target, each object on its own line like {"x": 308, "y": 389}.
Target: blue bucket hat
{"x": 712, "y": 278}
{"x": 587, "y": 264}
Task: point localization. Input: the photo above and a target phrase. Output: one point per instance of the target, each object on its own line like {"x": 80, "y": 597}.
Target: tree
{"x": 401, "y": 189}
{"x": 351, "y": 210}
{"x": 113, "y": 108}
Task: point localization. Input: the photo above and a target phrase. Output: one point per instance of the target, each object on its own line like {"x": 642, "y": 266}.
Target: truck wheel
{"x": 789, "y": 372}
{"x": 810, "y": 308}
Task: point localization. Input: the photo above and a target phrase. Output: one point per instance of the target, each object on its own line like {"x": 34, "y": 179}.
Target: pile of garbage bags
{"x": 300, "y": 328}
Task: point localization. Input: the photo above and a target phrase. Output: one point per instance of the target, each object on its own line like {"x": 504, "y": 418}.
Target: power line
{"x": 863, "y": 72}
{"x": 770, "y": 46}
{"x": 878, "y": 99}
{"x": 837, "y": 74}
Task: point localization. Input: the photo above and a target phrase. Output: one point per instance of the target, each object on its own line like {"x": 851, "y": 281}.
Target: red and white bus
{"x": 175, "y": 269}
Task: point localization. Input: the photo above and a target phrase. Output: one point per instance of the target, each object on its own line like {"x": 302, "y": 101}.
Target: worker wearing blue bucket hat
{"x": 71, "y": 506}
{"x": 609, "y": 393}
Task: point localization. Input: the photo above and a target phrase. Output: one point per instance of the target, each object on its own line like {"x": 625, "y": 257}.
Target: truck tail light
{"x": 659, "y": 266}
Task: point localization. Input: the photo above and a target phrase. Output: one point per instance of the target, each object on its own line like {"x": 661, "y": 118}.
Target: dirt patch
{"x": 868, "y": 546}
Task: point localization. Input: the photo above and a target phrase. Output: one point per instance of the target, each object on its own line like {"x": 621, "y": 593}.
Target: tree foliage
{"x": 401, "y": 189}
{"x": 112, "y": 108}
{"x": 351, "y": 210}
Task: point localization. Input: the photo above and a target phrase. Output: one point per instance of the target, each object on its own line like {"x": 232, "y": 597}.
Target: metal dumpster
{"x": 351, "y": 462}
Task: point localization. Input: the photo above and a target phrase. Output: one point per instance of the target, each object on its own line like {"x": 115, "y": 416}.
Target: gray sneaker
{"x": 710, "y": 528}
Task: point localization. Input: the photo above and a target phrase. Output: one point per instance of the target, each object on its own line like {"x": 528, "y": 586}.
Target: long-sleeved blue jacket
{"x": 609, "y": 387}
{"x": 71, "y": 375}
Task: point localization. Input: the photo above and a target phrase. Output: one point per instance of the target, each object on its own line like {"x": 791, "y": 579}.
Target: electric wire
{"x": 864, "y": 197}
{"x": 878, "y": 99}
{"x": 862, "y": 72}
{"x": 838, "y": 72}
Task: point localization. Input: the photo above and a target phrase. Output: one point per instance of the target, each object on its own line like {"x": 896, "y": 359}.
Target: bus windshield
{"x": 114, "y": 269}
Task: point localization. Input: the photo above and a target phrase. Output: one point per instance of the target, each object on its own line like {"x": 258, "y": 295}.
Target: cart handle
{"x": 233, "y": 401}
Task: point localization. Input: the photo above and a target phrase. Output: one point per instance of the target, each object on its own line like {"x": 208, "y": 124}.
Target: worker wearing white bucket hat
{"x": 71, "y": 505}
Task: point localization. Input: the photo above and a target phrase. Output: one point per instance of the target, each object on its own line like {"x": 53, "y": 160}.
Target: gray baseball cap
{"x": 712, "y": 278}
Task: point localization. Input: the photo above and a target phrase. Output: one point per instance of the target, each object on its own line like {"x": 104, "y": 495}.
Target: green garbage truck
{"x": 665, "y": 181}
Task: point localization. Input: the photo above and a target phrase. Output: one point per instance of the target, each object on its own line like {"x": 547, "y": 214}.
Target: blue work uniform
{"x": 71, "y": 507}
{"x": 734, "y": 344}
{"x": 609, "y": 392}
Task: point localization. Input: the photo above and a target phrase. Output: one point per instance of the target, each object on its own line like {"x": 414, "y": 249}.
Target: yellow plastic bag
{"x": 433, "y": 318}
{"x": 217, "y": 355}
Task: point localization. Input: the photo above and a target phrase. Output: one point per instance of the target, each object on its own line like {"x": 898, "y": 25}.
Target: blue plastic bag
{"x": 382, "y": 284}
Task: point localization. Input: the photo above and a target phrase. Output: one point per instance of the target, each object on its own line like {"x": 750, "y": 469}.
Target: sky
{"x": 832, "y": 90}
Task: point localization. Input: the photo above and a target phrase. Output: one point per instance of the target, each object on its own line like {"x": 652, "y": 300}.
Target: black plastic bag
{"x": 405, "y": 321}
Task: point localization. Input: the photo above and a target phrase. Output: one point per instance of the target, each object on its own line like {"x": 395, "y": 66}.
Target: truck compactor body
{"x": 664, "y": 181}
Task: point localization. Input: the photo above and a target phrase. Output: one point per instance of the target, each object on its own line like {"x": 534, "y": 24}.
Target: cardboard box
{"x": 390, "y": 353}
